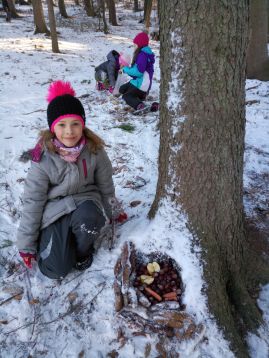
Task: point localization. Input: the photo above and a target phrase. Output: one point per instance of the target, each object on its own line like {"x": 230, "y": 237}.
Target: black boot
{"x": 84, "y": 263}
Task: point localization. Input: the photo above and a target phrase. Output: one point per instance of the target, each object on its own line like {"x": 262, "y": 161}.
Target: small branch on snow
{"x": 38, "y": 110}
{"x": 11, "y": 298}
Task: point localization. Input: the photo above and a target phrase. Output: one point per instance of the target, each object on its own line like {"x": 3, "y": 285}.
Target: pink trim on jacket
{"x": 85, "y": 168}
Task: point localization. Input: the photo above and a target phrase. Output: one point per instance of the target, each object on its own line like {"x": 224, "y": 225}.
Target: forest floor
{"x": 75, "y": 317}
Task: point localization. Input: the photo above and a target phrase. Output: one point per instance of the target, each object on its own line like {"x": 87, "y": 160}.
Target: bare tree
{"x": 136, "y": 7}
{"x": 89, "y": 7}
{"x": 52, "y": 22}
{"x": 112, "y": 12}
{"x": 39, "y": 19}
{"x": 202, "y": 129}
{"x": 257, "y": 58}
{"x": 102, "y": 13}
{"x": 147, "y": 13}
{"x": 12, "y": 9}
{"x": 62, "y": 9}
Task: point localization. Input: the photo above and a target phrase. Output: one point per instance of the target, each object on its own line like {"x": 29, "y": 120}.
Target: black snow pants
{"x": 132, "y": 95}
{"x": 69, "y": 240}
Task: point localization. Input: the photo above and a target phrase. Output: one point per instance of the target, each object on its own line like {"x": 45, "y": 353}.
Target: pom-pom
{"x": 124, "y": 59}
{"x": 59, "y": 88}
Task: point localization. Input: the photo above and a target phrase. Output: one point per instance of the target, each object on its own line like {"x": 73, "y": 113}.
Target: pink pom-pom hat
{"x": 124, "y": 59}
{"x": 63, "y": 103}
{"x": 141, "y": 39}
{"x": 59, "y": 88}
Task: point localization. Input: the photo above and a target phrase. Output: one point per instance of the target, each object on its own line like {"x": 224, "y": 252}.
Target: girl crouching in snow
{"x": 68, "y": 189}
{"x": 135, "y": 91}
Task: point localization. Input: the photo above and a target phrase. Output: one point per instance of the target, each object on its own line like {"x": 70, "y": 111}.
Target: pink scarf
{"x": 69, "y": 154}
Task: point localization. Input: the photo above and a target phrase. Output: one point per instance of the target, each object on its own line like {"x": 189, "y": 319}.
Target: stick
{"x": 112, "y": 202}
{"x": 10, "y": 298}
{"x": 170, "y": 294}
{"x": 153, "y": 293}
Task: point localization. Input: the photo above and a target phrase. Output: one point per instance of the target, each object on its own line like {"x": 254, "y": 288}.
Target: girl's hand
{"x": 27, "y": 258}
{"x": 121, "y": 218}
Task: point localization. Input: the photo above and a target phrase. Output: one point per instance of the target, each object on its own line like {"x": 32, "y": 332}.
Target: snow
{"x": 79, "y": 310}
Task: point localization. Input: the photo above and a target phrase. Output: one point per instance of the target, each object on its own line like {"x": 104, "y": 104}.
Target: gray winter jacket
{"x": 110, "y": 67}
{"x": 54, "y": 187}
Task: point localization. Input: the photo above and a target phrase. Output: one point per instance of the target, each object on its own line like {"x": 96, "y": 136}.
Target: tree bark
{"x": 147, "y": 13}
{"x": 52, "y": 22}
{"x": 136, "y": 7}
{"x": 257, "y": 56}
{"x": 39, "y": 19}
{"x": 12, "y": 9}
{"x": 202, "y": 129}
{"x": 112, "y": 12}
{"x": 89, "y": 8}
{"x": 62, "y": 9}
{"x": 102, "y": 10}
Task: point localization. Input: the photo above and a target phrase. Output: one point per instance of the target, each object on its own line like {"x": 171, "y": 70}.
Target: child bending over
{"x": 135, "y": 91}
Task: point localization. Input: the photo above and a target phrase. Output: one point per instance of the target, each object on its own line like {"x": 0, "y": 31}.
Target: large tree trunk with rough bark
{"x": 39, "y": 19}
{"x": 62, "y": 9}
{"x": 112, "y": 12}
{"x": 257, "y": 58}
{"x": 52, "y": 22}
{"x": 202, "y": 129}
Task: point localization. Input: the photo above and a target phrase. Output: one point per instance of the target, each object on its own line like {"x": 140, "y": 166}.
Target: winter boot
{"x": 154, "y": 107}
{"x": 85, "y": 263}
{"x": 100, "y": 86}
{"x": 141, "y": 109}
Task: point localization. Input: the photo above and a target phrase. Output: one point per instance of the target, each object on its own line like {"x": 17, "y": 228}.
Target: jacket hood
{"x": 113, "y": 55}
{"x": 147, "y": 50}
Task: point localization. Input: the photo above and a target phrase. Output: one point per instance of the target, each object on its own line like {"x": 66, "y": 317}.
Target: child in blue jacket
{"x": 135, "y": 91}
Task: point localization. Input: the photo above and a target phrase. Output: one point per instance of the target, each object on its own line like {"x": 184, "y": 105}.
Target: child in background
{"x": 135, "y": 91}
{"x": 68, "y": 190}
{"x": 106, "y": 74}
{"x": 124, "y": 60}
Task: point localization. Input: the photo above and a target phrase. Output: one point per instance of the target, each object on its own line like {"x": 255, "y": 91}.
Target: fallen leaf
{"x": 153, "y": 267}
{"x": 134, "y": 203}
{"x": 146, "y": 279}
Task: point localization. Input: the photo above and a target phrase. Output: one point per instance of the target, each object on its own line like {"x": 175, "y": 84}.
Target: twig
{"x": 153, "y": 293}
{"x": 38, "y": 110}
{"x": 21, "y": 327}
{"x": 30, "y": 299}
{"x": 10, "y": 298}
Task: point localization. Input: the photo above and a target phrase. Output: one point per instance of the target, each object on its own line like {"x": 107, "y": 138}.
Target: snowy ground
{"x": 79, "y": 310}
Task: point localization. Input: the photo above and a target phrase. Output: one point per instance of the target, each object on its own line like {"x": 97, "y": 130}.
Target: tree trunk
{"x": 112, "y": 12}
{"x": 12, "y": 9}
{"x": 102, "y": 10}
{"x": 257, "y": 58}
{"x": 89, "y": 8}
{"x": 202, "y": 129}
{"x": 52, "y": 22}
{"x": 147, "y": 13}
{"x": 136, "y": 8}
{"x": 62, "y": 9}
{"x": 39, "y": 19}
